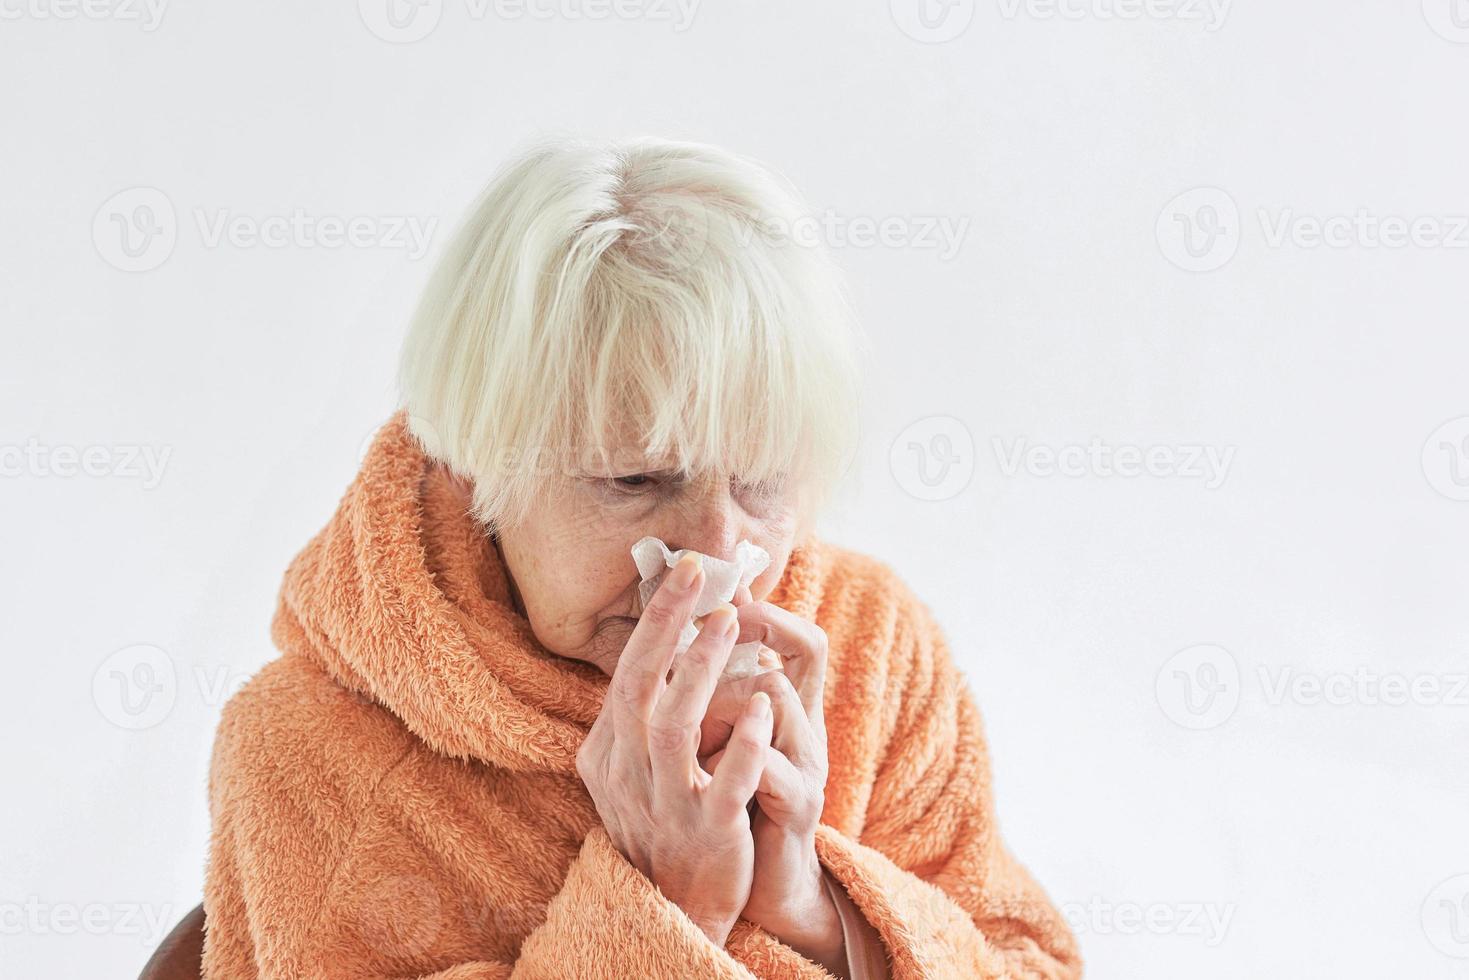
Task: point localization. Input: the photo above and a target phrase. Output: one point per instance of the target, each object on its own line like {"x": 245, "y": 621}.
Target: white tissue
{"x": 721, "y": 580}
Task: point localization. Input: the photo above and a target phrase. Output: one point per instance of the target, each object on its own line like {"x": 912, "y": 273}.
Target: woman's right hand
{"x": 687, "y": 831}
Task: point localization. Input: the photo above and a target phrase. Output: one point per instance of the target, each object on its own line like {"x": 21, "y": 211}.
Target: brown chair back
{"x": 181, "y": 954}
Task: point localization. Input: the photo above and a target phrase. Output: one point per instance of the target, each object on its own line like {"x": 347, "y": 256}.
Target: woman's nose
{"x": 719, "y": 543}
{"x": 711, "y": 525}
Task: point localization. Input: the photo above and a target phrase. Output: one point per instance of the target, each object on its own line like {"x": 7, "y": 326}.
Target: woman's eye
{"x": 632, "y": 482}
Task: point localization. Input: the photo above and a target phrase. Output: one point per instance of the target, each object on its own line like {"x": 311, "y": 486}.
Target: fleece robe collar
{"x": 403, "y": 598}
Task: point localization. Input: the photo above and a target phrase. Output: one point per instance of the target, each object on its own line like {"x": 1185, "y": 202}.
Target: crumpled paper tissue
{"x": 721, "y": 580}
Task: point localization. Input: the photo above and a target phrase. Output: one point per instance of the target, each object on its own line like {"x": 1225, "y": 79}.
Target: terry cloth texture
{"x": 396, "y": 794}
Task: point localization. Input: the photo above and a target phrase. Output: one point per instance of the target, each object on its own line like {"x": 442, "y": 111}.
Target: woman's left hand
{"x": 788, "y": 898}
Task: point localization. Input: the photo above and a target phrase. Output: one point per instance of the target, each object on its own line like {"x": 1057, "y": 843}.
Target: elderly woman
{"x": 488, "y": 750}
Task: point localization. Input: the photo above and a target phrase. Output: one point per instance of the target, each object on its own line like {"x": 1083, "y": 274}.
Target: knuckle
{"x": 819, "y": 643}
{"x": 629, "y": 695}
{"x": 703, "y": 653}
{"x": 780, "y": 687}
{"x": 669, "y": 736}
{"x": 771, "y": 682}
{"x": 588, "y": 760}
{"x": 661, "y": 612}
{"x": 749, "y": 742}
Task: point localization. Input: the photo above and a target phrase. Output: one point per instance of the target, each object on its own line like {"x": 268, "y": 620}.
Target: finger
{"x": 673, "y": 730}
{"x": 639, "y": 677}
{"x": 801, "y": 645}
{"x": 784, "y": 790}
{"x": 731, "y": 696}
{"x": 793, "y": 733}
{"x": 609, "y": 762}
{"x": 593, "y": 763}
{"x": 738, "y": 775}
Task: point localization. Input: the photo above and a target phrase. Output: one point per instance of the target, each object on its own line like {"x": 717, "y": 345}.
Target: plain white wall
{"x": 1182, "y": 671}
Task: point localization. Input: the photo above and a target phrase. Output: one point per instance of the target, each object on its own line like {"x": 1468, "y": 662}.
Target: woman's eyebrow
{"x": 665, "y": 473}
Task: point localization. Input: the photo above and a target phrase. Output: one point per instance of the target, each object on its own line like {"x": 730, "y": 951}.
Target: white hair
{"x": 644, "y": 287}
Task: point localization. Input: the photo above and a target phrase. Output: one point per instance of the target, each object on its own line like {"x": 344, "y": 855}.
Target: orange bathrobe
{"x": 396, "y": 795}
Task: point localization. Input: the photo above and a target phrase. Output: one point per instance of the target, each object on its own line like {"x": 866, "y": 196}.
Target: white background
{"x": 1334, "y": 548}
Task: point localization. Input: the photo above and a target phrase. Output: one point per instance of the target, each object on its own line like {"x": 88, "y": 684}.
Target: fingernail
{"x": 684, "y": 571}
{"x": 760, "y": 703}
{"x": 721, "y": 622}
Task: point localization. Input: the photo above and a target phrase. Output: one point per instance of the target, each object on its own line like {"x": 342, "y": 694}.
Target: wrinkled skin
{"x": 690, "y": 753}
